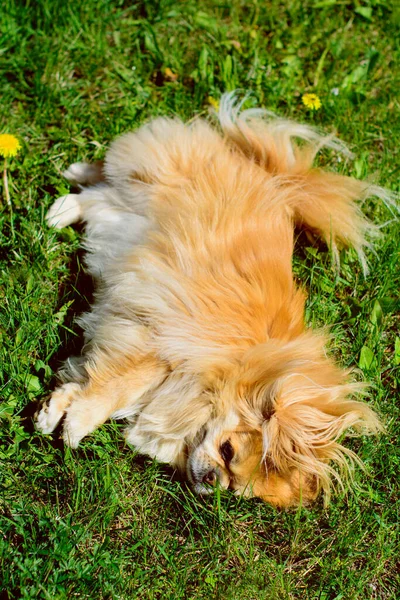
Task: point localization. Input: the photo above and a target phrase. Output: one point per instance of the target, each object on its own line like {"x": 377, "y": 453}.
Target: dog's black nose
{"x": 210, "y": 478}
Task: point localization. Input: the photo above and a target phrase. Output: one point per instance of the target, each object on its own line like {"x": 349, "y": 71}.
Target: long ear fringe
{"x": 305, "y": 436}
{"x": 321, "y": 200}
{"x": 304, "y": 406}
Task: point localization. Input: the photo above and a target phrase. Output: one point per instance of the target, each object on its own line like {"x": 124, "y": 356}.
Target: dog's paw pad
{"x": 77, "y": 172}
{"x": 64, "y": 211}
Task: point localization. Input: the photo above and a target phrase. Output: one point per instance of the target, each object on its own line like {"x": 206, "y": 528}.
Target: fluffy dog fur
{"x": 197, "y": 332}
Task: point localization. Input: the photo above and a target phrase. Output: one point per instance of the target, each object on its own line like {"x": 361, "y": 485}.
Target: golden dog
{"x": 197, "y": 332}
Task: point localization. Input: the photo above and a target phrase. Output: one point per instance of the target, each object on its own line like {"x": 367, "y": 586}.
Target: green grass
{"x": 102, "y": 522}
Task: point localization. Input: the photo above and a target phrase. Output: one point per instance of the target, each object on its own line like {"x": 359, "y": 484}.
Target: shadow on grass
{"x": 77, "y": 290}
{"x": 78, "y": 287}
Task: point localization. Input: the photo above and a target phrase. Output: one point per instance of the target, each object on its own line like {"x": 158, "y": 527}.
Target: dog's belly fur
{"x": 190, "y": 239}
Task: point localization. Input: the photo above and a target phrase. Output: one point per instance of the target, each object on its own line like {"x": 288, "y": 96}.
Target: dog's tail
{"x": 321, "y": 201}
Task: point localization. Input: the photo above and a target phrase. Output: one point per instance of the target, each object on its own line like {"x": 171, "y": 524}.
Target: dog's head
{"x": 233, "y": 458}
{"x": 279, "y": 418}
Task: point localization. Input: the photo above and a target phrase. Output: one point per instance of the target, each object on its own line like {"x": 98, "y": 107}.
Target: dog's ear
{"x": 285, "y": 489}
{"x": 302, "y": 403}
{"x": 304, "y": 422}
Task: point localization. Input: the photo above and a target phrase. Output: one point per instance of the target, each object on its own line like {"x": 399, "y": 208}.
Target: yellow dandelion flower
{"x": 170, "y": 75}
{"x": 311, "y": 101}
{"x": 9, "y": 145}
{"x": 213, "y": 102}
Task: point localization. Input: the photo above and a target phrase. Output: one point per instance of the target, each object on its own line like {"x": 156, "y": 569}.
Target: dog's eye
{"x": 226, "y": 451}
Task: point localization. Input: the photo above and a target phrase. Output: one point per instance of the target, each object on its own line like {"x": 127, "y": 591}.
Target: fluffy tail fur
{"x": 321, "y": 201}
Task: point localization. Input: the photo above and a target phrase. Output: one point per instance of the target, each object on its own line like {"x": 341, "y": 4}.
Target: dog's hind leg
{"x": 111, "y": 230}
{"x": 94, "y": 204}
{"x": 64, "y": 211}
{"x": 70, "y": 209}
{"x": 85, "y": 174}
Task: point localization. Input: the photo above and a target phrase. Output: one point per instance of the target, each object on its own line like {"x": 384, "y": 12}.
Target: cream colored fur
{"x": 197, "y": 332}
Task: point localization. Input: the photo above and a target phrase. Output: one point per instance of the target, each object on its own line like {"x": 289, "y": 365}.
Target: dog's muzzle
{"x": 204, "y": 476}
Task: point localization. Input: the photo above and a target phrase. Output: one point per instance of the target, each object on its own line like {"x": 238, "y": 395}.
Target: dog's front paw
{"x": 64, "y": 211}
{"x": 54, "y": 409}
{"x": 74, "y": 430}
